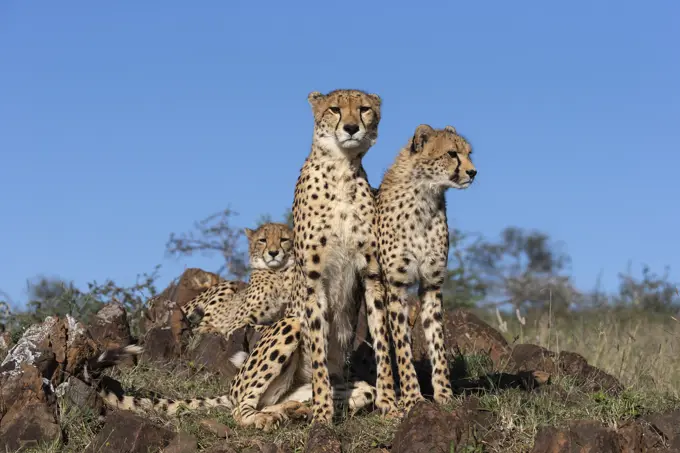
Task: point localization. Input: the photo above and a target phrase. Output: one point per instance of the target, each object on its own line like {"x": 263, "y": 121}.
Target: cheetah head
{"x": 345, "y": 121}
{"x": 441, "y": 158}
{"x": 270, "y": 246}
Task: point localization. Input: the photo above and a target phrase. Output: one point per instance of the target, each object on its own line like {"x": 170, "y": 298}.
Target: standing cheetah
{"x": 336, "y": 257}
{"x": 414, "y": 242}
{"x": 336, "y": 247}
{"x": 270, "y": 248}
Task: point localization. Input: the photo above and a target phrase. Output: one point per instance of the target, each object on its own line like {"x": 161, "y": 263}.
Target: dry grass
{"x": 638, "y": 349}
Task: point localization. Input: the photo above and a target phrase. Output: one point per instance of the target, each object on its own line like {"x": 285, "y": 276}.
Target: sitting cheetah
{"x": 224, "y": 308}
{"x": 263, "y": 299}
{"x": 414, "y": 243}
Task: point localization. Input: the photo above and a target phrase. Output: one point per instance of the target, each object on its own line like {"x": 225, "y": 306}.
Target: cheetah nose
{"x": 471, "y": 173}
{"x": 351, "y": 129}
{"x": 273, "y": 253}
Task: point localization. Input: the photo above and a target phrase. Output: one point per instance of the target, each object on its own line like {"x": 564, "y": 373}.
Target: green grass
{"x": 639, "y": 349}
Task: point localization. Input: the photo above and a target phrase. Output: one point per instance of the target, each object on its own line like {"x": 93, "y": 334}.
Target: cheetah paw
{"x": 388, "y": 408}
{"x": 406, "y": 403}
{"x": 267, "y": 421}
{"x": 443, "y": 397}
{"x": 297, "y": 410}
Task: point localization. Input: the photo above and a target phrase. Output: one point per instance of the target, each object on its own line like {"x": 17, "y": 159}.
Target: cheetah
{"x": 336, "y": 254}
{"x": 270, "y": 248}
{"x": 336, "y": 247}
{"x": 413, "y": 243}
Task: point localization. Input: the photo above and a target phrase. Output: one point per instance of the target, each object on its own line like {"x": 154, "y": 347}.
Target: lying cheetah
{"x": 264, "y": 298}
{"x": 414, "y": 242}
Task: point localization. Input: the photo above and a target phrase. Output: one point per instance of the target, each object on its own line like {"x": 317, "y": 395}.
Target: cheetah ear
{"x": 249, "y": 233}
{"x": 420, "y": 137}
{"x": 314, "y": 98}
{"x": 375, "y": 98}
{"x": 450, "y": 129}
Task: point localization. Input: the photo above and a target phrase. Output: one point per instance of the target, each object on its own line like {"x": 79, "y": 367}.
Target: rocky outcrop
{"x": 588, "y": 377}
{"x": 322, "y": 440}
{"x": 110, "y": 328}
{"x": 130, "y": 433}
{"x": 42, "y": 358}
{"x": 428, "y": 428}
{"x": 587, "y": 436}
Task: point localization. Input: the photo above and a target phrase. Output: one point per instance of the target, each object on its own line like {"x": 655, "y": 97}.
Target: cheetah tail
{"x": 238, "y": 359}
{"x": 113, "y": 394}
{"x": 107, "y": 359}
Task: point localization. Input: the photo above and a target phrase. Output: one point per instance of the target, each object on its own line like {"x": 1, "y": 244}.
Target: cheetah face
{"x": 442, "y": 158}
{"x": 270, "y": 246}
{"x": 346, "y": 121}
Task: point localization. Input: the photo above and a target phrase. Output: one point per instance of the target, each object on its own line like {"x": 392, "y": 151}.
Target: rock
{"x": 589, "y": 378}
{"x": 581, "y": 436}
{"x": 322, "y": 440}
{"x": 213, "y": 352}
{"x": 161, "y": 346}
{"x": 215, "y": 427}
{"x": 81, "y": 395}
{"x": 665, "y": 425}
{"x": 428, "y": 428}
{"x": 221, "y": 449}
{"x": 26, "y": 418}
{"x": 130, "y": 433}
{"x": 28, "y": 426}
{"x": 532, "y": 357}
{"x": 39, "y": 362}
{"x": 30, "y": 346}
{"x": 191, "y": 283}
{"x": 182, "y": 443}
{"x": 57, "y": 347}
{"x": 635, "y": 437}
{"x": 591, "y": 436}
{"x": 464, "y": 333}
{"x": 265, "y": 447}
{"x": 19, "y": 387}
{"x": 167, "y": 330}
{"x": 5, "y": 343}
{"x": 109, "y": 327}
{"x": 72, "y": 347}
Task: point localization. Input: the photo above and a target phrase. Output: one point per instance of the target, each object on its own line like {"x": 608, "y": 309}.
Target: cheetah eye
{"x": 453, "y": 154}
{"x": 364, "y": 109}
{"x": 335, "y": 110}
{"x": 262, "y": 241}
{"x": 284, "y": 240}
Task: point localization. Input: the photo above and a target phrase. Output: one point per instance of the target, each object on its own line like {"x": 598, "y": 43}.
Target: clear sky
{"x": 122, "y": 122}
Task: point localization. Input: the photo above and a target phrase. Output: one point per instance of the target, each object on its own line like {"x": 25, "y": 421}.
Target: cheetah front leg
{"x": 377, "y": 324}
{"x": 401, "y": 334}
{"x": 316, "y": 345}
{"x": 431, "y": 319}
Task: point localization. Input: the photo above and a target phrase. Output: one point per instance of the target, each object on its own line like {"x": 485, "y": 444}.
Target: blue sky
{"x": 123, "y": 122}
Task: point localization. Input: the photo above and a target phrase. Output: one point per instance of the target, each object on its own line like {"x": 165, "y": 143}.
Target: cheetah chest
{"x": 420, "y": 235}
{"x": 352, "y": 215}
